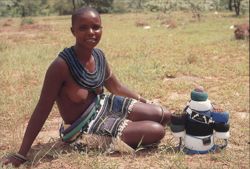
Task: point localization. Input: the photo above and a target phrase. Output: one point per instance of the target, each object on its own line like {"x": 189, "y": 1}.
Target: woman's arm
{"x": 114, "y": 86}
{"x": 53, "y": 81}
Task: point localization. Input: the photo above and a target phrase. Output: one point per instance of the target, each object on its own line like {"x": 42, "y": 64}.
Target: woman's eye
{"x": 84, "y": 28}
{"x": 96, "y": 27}
{"x": 93, "y": 28}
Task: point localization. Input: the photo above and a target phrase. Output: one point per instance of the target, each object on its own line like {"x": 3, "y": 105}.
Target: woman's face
{"x": 87, "y": 29}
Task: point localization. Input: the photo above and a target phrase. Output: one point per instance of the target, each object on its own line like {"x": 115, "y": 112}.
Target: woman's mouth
{"x": 91, "y": 40}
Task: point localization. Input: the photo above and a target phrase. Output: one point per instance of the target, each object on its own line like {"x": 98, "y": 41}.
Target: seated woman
{"x": 75, "y": 81}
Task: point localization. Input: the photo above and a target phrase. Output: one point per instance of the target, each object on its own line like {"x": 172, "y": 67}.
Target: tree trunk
{"x": 23, "y": 11}
{"x": 139, "y": 5}
{"x": 87, "y": 2}
{"x": 74, "y": 5}
{"x": 230, "y": 7}
{"x": 237, "y": 7}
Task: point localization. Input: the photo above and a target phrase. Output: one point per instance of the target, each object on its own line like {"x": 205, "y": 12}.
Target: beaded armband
{"x": 19, "y": 157}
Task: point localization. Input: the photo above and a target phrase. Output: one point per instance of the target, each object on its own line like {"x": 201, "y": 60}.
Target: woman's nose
{"x": 91, "y": 30}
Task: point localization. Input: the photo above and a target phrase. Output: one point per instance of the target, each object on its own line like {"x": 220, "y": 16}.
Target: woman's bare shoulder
{"x": 59, "y": 62}
{"x": 58, "y": 67}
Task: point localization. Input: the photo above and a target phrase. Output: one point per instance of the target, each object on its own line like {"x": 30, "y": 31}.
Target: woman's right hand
{"x": 11, "y": 160}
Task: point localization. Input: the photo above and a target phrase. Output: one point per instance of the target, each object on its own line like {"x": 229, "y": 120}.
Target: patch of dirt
{"x": 141, "y": 23}
{"x": 50, "y": 130}
{"x": 8, "y": 22}
{"x": 6, "y": 29}
{"x": 169, "y": 24}
{"x": 243, "y": 115}
{"x": 191, "y": 79}
{"x": 35, "y": 27}
{"x": 4, "y": 147}
{"x": 8, "y": 26}
{"x": 176, "y": 96}
{"x": 55, "y": 164}
{"x": 24, "y": 32}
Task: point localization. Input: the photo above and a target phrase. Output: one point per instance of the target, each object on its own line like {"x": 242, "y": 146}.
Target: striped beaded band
{"x": 221, "y": 127}
{"x": 199, "y": 96}
{"x": 200, "y": 105}
{"x": 198, "y": 129}
{"x": 222, "y": 135}
{"x": 178, "y": 119}
{"x": 220, "y": 117}
{"x": 199, "y": 143}
{"x": 199, "y": 116}
{"x": 177, "y": 128}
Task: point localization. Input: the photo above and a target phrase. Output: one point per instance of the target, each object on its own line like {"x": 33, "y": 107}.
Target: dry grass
{"x": 162, "y": 64}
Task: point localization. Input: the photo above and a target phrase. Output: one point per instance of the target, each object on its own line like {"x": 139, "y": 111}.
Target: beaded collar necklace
{"x": 84, "y": 78}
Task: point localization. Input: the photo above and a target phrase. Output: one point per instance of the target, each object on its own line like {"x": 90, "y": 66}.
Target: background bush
{"x": 64, "y": 7}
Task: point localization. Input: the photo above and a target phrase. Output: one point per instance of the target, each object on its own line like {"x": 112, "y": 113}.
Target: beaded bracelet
{"x": 162, "y": 114}
{"x": 19, "y": 157}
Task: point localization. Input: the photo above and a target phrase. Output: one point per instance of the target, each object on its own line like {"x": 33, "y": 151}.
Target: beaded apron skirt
{"x": 106, "y": 116}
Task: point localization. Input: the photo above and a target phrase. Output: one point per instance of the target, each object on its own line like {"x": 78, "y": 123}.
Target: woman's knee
{"x": 156, "y": 130}
{"x": 146, "y": 131}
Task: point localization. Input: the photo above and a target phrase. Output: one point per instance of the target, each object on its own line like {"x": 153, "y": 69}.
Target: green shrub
{"x": 27, "y": 21}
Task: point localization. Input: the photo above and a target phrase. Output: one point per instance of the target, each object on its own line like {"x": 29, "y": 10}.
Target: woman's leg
{"x": 151, "y": 112}
{"x": 143, "y": 133}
